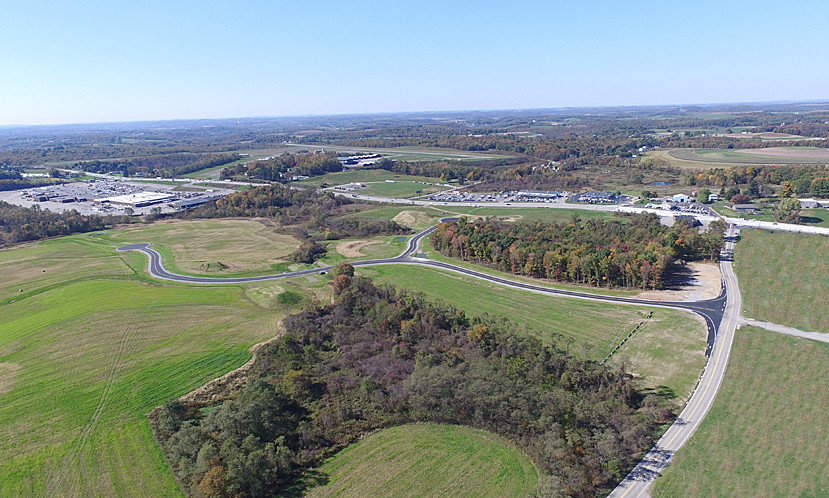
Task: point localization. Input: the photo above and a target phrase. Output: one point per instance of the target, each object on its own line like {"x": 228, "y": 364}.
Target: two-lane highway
{"x": 638, "y": 482}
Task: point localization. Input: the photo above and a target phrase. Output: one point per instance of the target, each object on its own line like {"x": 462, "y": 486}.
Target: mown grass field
{"x": 216, "y": 247}
{"x": 431, "y": 214}
{"x": 784, "y": 278}
{"x": 363, "y": 176}
{"x": 402, "y": 189}
{"x": 811, "y": 217}
{"x": 428, "y": 460}
{"x": 587, "y": 328}
{"x": 766, "y": 433}
{"x": 92, "y": 344}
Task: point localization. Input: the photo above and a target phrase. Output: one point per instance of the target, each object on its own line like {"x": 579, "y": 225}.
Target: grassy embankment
{"x": 811, "y": 217}
{"x": 667, "y": 351}
{"x": 784, "y": 278}
{"x": 428, "y": 460}
{"x": 766, "y": 433}
{"x": 90, "y": 345}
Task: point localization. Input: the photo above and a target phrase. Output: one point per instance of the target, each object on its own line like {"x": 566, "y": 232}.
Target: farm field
{"x": 766, "y": 432}
{"x": 589, "y": 329}
{"x": 771, "y": 155}
{"x": 427, "y": 460}
{"x": 91, "y": 345}
{"x": 770, "y": 265}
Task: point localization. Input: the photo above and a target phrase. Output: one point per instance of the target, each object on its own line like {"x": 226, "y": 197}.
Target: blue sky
{"x": 89, "y": 61}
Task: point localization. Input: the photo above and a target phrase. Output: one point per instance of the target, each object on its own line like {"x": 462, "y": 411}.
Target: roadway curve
{"x": 638, "y": 482}
{"x": 711, "y": 310}
{"x": 721, "y": 316}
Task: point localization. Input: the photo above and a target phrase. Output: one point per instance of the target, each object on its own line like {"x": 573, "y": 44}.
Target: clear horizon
{"x": 70, "y": 63}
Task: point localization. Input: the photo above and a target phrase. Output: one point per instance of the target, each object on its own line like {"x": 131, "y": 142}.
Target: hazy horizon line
{"x": 444, "y": 111}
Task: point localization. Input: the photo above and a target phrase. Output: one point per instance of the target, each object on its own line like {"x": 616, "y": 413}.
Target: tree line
{"x": 277, "y": 168}
{"x": 379, "y": 357}
{"x": 640, "y": 253}
{"x": 166, "y": 165}
{"x": 20, "y": 224}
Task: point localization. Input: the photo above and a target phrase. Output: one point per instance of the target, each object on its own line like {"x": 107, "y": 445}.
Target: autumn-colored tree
{"x": 341, "y": 282}
{"x": 342, "y": 268}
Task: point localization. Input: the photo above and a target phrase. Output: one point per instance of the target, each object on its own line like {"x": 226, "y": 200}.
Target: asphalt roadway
{"x": 639, "y": 481}
{"x": 711, "y": 310}
{"x": 721, "y": 316}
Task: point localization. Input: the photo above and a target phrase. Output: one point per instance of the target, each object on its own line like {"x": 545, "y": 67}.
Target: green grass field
{"x": 428, "y": 460}
{"x": 401, "y": 189}
{"x": 216, "y": 247}
{"x": 431, "y": 214}
{"x": 587, "y": 328}
{"x": 363, "y": 176}
{"x": 766, "y": 433}
{"x": 810, "y": 217}
{"x": 784, "y": 278}
{"x": 92, "y": 344}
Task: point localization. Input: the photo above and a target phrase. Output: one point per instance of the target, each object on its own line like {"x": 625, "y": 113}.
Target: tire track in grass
{"x": 78, "y": 452}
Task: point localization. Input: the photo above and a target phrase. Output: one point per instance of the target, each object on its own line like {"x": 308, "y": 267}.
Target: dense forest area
{"x": 380, "y": 357}
{"x": 169, "y": 165}
{"x": 640, "y": 253}
{"x": 20, "y": 224}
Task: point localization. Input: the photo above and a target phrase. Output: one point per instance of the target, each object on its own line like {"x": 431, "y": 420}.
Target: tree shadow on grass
{"x": 310, "y": 480}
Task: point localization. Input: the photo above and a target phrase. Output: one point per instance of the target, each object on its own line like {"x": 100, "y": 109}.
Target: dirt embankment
{"x": 225, "y": 387}
{"x": 693, "y": 282}
{"x": 351, "y": 248}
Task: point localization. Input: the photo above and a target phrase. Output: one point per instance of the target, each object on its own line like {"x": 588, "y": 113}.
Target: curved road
{"x": 711, "y": 310}
{"x": 720, "y": 314}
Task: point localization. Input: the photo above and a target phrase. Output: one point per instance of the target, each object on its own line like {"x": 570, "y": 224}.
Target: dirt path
{"x": 696, "y": 281}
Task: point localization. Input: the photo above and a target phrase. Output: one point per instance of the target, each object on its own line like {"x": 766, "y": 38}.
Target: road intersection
{"x": 722, "y": 317}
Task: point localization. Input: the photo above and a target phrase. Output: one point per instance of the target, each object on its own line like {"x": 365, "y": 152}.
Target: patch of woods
{"x": 640, "y": 253}
{"x": 312, "y": 216}
{"x": 379, "y": 357}
{"x": 20, "y": 224}
{"x": 803, "y": 180}
{"x": 166, "y": 165}
{"x": 278, "y": 168}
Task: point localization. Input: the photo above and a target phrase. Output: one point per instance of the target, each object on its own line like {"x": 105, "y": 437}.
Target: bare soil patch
{"x": 351, "y": 248}
{"x": 411, "y": 219}
{"x": 694, "y": 282}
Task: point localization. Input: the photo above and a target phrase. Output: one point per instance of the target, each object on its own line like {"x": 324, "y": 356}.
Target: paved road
{"x": 711, "y": 310}
{"x": 782, "y": 329}
{"x": 639, "y": 481}
{"x": 721, "y": 315}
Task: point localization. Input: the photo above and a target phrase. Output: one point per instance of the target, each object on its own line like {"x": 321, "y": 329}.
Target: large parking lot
{"x": 88, "y": 197}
